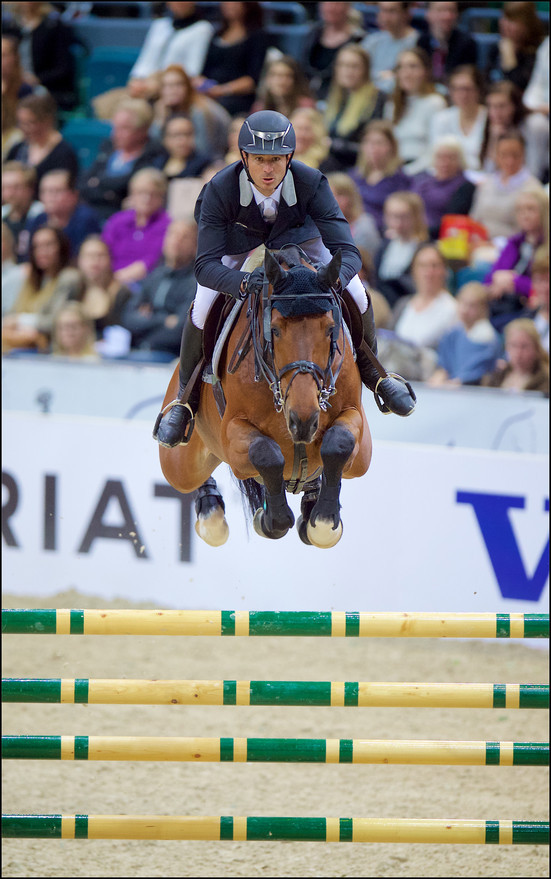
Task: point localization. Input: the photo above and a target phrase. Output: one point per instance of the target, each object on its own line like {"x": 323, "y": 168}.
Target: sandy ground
{"x": 486, "y": 792}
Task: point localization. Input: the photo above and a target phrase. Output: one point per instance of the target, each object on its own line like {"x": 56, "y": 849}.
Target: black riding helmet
{"x": 267, "y": 133}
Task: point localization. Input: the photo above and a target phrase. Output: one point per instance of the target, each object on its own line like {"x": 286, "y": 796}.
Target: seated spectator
{"x": 102, "y": 296}
{"x": 509, "y": 280}
{"x": 45, "y": 49}
{"x": 235, "y": 57}
{"x": 526, "y": 367}
{"x": 352, "y": 102}
{"x": 311, "y": 136}
{"x": 73, "y": 334}
{"x": 49, "y": 283}
{"x": 514, "y": 56}
{"x": 469, "y": 350}
{"x": 19, "y": 207}
{"x": 135, "y": 236}
{"x": 210, "y": 121}
{"x": 494, "y": 199}
{"x": 283, "y": 87}
{"x": 414, "y": 103}
{"x": 506, "y": 112}
{"x": 405, "y": 230}
{"x": 179, "y": 142}
{"x": 232, "y": 148}
{"x": 446, "y": 45}
{"x": 378, "y": 171}
{"x": 338, "y": 25}
{"x": 539, "y": 300}
{"x": 13, "y": 274}
{"x": 42, "y": 147}
{"x": 431, "y": 311}
{"x": 362, "y": 225}
{"x": 393, "y": 36}
{"x": 536, "y": 95}
{"x": 13, "y": 89}
{"x": 466, "y": 118}
{"x": 157, "y": 317}
{"x": 444, "y": 188}
{"x": 104, "y": 185}
{"x": 181, "y": 38}
{"x": 64, "y": 210}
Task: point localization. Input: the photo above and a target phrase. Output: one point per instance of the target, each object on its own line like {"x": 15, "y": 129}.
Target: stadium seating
{"x": 85, "y": 136}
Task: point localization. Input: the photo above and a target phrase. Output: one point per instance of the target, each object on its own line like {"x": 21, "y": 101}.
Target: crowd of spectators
{"x": 438, "y": 160}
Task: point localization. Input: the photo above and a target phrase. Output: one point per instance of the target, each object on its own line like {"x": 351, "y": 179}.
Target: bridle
{"x": 260, "y": 313}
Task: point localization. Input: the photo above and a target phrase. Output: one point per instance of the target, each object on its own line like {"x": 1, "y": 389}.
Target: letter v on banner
{"x": 492, "y": 514}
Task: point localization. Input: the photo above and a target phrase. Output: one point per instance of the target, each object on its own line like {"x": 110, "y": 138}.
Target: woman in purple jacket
{"x": 378, "y": 172}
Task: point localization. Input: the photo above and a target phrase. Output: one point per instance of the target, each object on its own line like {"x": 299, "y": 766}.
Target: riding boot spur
{"x": 392, "y": 392}
{"x": 175, "y": 423}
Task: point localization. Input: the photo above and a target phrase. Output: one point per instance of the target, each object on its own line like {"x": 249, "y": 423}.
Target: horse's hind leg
{"x": 275, "y": 520}
{"x": 211, "y": 525}
{"x": 324, "y": 528}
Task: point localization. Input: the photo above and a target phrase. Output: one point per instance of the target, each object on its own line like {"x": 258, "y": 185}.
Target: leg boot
{"x": 174, "y": 424}
{"x": 392, "y": 392}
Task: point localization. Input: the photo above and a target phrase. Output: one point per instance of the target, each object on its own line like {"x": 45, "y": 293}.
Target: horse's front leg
{"x": 324, "y": 527}
{"x": 277, "y": 517}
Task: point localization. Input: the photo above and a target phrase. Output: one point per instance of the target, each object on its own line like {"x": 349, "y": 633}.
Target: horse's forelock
{"x": 306, "y": 296}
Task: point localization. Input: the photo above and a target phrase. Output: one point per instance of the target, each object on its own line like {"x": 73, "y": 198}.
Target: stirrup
{"x": 190, "y": 425}
{"x": 379, "y": 400}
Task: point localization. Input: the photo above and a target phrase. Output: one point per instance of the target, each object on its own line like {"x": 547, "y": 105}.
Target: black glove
{"x": 252, "y": 282}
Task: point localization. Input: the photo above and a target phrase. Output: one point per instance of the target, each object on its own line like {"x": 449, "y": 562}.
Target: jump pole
{"x": 275, "y": 750}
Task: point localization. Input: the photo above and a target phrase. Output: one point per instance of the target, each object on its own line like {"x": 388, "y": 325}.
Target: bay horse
{"x": 286, "y": 412}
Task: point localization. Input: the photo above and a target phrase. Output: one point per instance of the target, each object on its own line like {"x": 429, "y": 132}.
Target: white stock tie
{"x": 269, "y": 209}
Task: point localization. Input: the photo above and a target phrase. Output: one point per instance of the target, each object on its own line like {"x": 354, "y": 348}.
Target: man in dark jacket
{"x": 446, "y": 45}
{"x": 267, "y": 199}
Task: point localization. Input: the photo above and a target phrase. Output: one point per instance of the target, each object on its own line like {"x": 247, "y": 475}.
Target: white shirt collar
{"x": 258, "y": 197}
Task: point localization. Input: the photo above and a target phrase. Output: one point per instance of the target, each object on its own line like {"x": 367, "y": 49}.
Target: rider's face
{"x": 267, "y": 172}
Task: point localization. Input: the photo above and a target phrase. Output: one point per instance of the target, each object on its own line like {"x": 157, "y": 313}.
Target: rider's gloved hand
{"x": 252, "y": 282}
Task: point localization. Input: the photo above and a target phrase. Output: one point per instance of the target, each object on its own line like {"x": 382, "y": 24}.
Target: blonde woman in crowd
{"x": 466, "y": 118}
{"x": 353, "y": 101}
{"x": 413, "y": 104}
{"x": 527, "y": 364}
{"x": 50, "y": 282}
{"x": 283, "y": 88}
{"x": 232, "y": 149}
{"x": 405, "y": 230}
{"x": 102, "y": 296}
{"x": 378, "y": 172}
{"x": 211, "y": 121}
{"x": 74, "y": 334}
{"x": 311, "y": 134}
{"x": 362, "y": 225}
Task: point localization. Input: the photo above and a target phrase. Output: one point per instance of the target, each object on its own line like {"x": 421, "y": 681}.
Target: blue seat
{"x": 289, "y": 38}
{"x": 484, "y": 43}
{"x": 117, "y": 32}
{"x": 480, "y": 20}
{"x": 85, "y": 136}
{"x": 109, "y": 68}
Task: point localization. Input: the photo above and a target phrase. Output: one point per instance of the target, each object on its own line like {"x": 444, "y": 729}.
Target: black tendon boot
{"x": 392, "y": 392}
{"x": 174, "y": 424}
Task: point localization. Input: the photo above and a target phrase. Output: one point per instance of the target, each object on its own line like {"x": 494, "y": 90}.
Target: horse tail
{"x": 252, "y": 495}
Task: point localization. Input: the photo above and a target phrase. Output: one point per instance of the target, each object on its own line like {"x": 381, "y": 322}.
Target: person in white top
{"x": 181, "y": 37}
{"x": 466, "y": 118}
{"x": 414, "y": 103}
{"x": 536, "y": 94}
{"x": 423, "y": 318}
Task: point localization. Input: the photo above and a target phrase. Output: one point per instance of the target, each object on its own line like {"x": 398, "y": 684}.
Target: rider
{"x": 267, "y": 198}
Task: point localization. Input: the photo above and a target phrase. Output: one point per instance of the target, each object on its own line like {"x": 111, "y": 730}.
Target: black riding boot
{"x": 392, "y": 393}
{"x": 174, "y": 424}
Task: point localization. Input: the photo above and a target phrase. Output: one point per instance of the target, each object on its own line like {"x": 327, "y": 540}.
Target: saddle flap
{"x": 352, "y": 318}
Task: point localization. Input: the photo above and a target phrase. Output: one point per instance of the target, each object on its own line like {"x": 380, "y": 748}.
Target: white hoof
{"x": 322, "y": 534}
{"x": 213, "y": 529}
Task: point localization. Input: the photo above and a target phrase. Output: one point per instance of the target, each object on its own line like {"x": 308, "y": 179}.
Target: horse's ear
{"x": 273, "y": 270}
{"x": 328, "y": 275}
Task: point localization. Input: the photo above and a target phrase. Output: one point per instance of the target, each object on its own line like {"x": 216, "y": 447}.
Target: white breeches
{"x": 316, "y": 250}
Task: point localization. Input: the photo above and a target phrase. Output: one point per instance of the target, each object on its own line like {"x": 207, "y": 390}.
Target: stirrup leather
{"x": 191, "y": 423}
{"x": 379, "y": 400}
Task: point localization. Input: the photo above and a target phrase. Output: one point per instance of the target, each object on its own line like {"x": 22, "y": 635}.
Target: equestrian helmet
{"x": 267, "y": 133}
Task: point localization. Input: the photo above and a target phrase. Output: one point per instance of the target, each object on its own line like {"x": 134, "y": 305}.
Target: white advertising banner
{"x": 428, "y": 528}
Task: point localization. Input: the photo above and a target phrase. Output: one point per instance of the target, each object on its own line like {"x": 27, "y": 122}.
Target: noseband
{"x": 263, "y": 346}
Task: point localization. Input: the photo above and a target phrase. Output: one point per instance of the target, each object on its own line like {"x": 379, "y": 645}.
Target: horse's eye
{"x": 329, "y": 330}
{"x": 276, "y": 332}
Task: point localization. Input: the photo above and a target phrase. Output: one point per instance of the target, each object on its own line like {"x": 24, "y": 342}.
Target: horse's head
{"x": 305, "y": 326}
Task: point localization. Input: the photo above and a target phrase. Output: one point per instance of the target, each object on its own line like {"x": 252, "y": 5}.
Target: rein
{"x": 263, "y": 346}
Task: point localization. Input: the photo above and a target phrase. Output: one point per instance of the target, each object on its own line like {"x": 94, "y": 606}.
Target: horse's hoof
{"x": 258, "y": 525}
{"x": 322, "y": 534}
{"x": 213, "y": 528}
{"x": 302, "y": 528}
